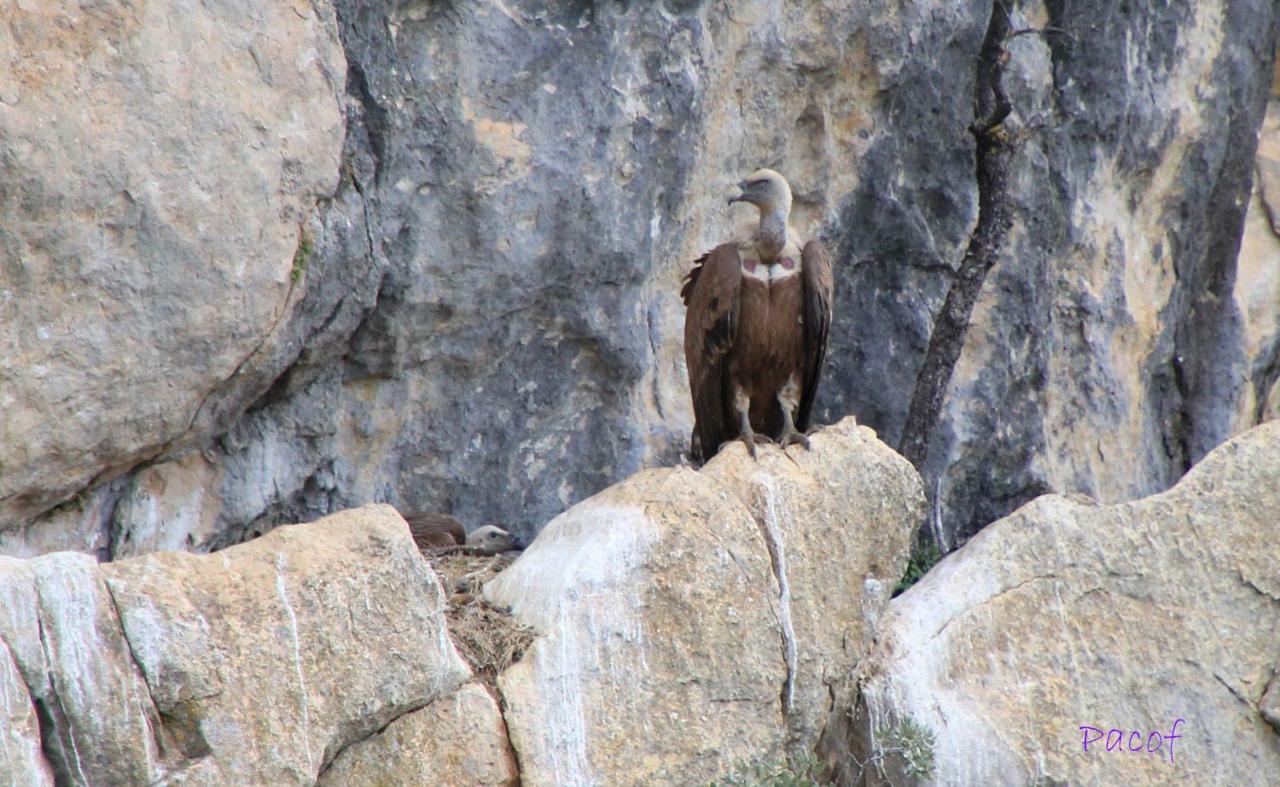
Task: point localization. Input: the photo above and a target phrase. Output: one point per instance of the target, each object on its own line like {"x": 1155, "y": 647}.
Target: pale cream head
{"x": 493, "y": 539}
{"x": 767, "y": 190}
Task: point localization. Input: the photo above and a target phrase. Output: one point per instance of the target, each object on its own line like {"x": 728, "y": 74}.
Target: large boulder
{"x": 458, "y": 739}
{"x": 1024, "y": 650}
{"x": 690, "y": 621}
{"x": 160, "y": 161}
{"x": 63, "y": 633}
{"x": 253, "y": 666}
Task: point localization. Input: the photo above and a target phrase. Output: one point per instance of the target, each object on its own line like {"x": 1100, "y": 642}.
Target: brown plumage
{"x": 756, "y": 327}
{"x": 435, "y": 531}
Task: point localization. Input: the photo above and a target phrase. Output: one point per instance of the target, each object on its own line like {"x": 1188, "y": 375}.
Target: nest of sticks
{"x": 489, "y": 638}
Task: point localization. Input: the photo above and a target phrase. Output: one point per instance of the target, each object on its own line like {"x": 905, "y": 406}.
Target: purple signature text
{"x": 1130, "y": 740}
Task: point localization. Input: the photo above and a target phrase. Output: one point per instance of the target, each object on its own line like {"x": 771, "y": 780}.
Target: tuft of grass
{"x": 924, "y": 556}
{"x": 796, "y": 772}
{"x": 301, "y": 257}
{"x": 913, "y": 741}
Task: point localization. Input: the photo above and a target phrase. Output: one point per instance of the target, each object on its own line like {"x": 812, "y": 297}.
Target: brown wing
{"x": 710, "y": 294}
{"x": 433, "y": 531}
{"x": 819, "y": 292}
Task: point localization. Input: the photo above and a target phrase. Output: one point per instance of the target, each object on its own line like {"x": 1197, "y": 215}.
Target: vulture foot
{"x": 791, "y": 437}
{"x": 750, "y": 440}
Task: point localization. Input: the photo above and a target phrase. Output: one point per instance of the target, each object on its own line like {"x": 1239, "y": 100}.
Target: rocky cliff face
{"x": 1115, "y": 343}
{"x": 637, "y": 591}
{"x": 161, "y": 164}
{"x": 259, "y": 264}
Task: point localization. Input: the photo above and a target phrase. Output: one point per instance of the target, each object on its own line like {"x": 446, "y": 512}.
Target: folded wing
{"x": 818, "y": 294}
{"x": 710, "y": 295}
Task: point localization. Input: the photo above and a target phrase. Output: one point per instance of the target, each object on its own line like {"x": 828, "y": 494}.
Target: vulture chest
{"x": 769, "y": 346}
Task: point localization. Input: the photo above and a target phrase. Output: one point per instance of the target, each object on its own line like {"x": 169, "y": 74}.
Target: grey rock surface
{"x": 685, "y": 622}
{"x": 1109, "y": 350}
{"x": 459, "y": 739}
{"x": 488, "y": 322}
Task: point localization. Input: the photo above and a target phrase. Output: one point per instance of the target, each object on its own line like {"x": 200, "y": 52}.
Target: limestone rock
{"x": 458, "y": 739}
{"x": 1257, "y": 286}
{"x": 20, "y": 750}
{"x": 160, "y": 161}
{"x": 166, "y": 508}
{"x": 526, "y": 230}
{"x": 252, "y": 666}
{"x": 69, "y": 661}
{"x": 669, "y": 650}
{"x": 1270, "y": 703}
{"x": 1107, "y": 353}
{"x": 91, "y": 668}
{"x": 659, "y": 657}
{"x": 839, "y": 517}
{"x": 1128, "y": 617}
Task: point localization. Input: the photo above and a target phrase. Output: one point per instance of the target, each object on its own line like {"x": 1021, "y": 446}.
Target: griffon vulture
{"x": 758, "y": 310}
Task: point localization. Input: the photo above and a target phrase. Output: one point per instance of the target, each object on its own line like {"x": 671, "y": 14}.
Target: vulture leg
{"x": 742, "y": 405}
{"x": 789, "y": 401}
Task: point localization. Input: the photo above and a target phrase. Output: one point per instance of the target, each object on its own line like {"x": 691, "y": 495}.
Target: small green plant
{"x": 911, "y": 739}
{"x": 794, "y": 772}
{"x": 924, "y": 556}
{"x": 301, "y": 257}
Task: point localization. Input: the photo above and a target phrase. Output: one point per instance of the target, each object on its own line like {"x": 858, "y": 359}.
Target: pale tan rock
{"x": 457, "y": 739}
{"x": 1126, "y": 616}
{"x": 78, "y": 525}
{"x": 254, "y": 665}
{"x": 160, "y": 159}
{"x": 268, "y": 658}
{"x": 844, "y": 514}
{"x": 1270, "y": 704}
{"x": 660, "y": 657}
{"x": 21, "y": 751}
{"x": 169, "y": 506}
{"x": 663, "y": 655}
{"x": 1256, "y": 290}
{"x": 105, "y": 730}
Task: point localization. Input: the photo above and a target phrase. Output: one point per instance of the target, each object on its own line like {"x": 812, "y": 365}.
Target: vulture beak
{"x": 742, "y": 193}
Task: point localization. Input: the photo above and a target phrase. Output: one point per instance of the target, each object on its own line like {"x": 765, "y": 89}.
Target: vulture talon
{"x": 793, "y": 437}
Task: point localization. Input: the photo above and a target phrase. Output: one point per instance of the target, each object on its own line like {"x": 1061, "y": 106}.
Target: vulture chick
{"x": 432, "y": 531}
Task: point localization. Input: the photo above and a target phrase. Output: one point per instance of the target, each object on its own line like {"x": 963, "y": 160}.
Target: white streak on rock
{"x": 581, "y": 563}
{"x": 297, "y": 657}
{"x": 778, "y": 557}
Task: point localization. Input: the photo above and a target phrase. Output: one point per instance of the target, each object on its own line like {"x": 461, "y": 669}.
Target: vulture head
{"x": 767, "y": 190}
{"x": 491, "y": 538}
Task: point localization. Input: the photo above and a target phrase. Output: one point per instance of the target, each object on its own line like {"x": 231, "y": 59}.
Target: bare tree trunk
{"x": 991, "y": 107}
